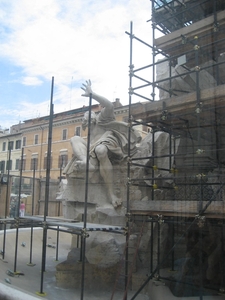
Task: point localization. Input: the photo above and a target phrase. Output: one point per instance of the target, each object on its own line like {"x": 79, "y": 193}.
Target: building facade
{"x": 32, "y": 137}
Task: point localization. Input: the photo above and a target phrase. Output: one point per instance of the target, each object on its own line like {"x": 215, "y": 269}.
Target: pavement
{"x": 28, "y": 286}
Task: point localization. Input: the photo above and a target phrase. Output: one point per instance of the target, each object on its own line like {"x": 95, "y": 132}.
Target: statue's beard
{"x": 85, "y": 123}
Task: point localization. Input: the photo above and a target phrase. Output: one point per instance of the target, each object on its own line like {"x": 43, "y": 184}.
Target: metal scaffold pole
{"x": 48, "y": 168}
{"x": 6, "y": 203}
{"x": 84, "y": 233}
{"x": 18, "y": 212}
{"x": 31, "y": 264}
{"x": 128, "y": 164}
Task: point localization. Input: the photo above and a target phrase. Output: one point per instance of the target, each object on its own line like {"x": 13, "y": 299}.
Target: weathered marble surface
{"x": 167, "y": 193}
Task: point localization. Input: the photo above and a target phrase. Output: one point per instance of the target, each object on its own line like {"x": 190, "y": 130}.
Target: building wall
{"x": 10, "y": 148}
{"x": 34, "y": 141}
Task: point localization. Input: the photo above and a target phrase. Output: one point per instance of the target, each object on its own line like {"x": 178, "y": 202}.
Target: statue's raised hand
{"x": 87, "y": 88}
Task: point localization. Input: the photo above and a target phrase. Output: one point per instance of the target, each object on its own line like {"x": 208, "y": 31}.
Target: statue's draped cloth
{"x": 115, "y": 139}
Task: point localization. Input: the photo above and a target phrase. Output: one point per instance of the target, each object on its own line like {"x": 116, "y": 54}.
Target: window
{"x": 2, "y": 166}
{"x": 45, "y": 162}
{"x": 18, "y": 164}
{"x": 34, "y": 163}
{"x": 77, "y": 130}
{"x": 18, "y": 144}
{"x": 63, "y": 160}
{"x": 125, "y": 119}
{"x": 64, "y": 134}
{"x": 4, "y": 146}
{"x": 36, "y": 139}
{"x": 24, "y": 141}
{"x": 24, "y": 164}
{"x": 9, "y": 165}
{"x": 10, "y": 145}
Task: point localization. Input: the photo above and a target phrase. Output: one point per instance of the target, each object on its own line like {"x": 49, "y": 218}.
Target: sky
{"x": 72, "y": 41}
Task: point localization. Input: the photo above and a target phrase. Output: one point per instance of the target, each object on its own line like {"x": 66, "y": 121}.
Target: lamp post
{"x": 18, "y": 211}
{"x": 31, "y": 264}
{"x": 6, "y": 201}
{"x": 7, "y": 188}
{"x": 33, "y": 187}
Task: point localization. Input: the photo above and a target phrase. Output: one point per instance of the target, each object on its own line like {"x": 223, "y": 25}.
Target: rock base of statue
{"x": 68, "y": 273}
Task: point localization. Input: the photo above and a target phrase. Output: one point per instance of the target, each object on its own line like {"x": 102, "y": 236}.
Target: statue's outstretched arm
{"x": 100, "y": 99}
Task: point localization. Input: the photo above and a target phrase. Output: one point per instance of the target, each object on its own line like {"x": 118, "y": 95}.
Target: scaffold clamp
{"x": 125, "y": 231}
{"x": 129, "y": 181}
{"x": 160, "y": 219}
{"x": 131, "y": 91}
{"x": 131, "y": 72}
{"x": 128, "y": 216}
{"x": 216, "y": 26}
{"x": 17, "y": 222}
{"x": 45, "y": 225}
{"x": 196, "y": 47}
{"x": 173, "y": 170}
{"x": 222, "y": 291}
{"x": 164, "y": 115}
{"x": 155, "y": 186}
{"x": 84, "y": 233}
{"x": 200, "y": 220}
{"x": 200, "y": 151}
{"x": 153, "y": 95}
{"x": 184, "y": 39}
{"x": 175, "y": 187}
{"x": 200, "y": 176}
{"x": 129, "y": 160}
{"x": 156, "y": 277}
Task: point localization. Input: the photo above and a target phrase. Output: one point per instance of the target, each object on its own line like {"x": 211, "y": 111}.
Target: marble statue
{"x": 108, "y": 143}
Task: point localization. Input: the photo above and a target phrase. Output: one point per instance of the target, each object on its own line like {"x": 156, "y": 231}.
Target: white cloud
{"x": 74, "y": 39}
{"x": 28, "y": 80}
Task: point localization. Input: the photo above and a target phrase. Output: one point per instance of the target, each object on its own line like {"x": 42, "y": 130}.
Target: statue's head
{"x": 86, "y": 117}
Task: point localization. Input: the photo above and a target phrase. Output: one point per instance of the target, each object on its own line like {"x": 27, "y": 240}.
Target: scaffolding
{"x": 71, "y": 226}
{"x": 185, "y": 104}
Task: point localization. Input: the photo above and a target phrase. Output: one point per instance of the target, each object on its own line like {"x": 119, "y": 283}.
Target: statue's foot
{"x": 116, "y": 201}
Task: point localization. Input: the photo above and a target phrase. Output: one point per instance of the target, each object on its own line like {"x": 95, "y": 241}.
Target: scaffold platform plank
{"x": 89, "y": 226}
{"x": 7, "y": 220}
{"x": 172, "y": 43}
{"x": 72, "y": 224}
{"x": 216, "y": 209}
{"x": 41, "y": 218}
{"x": 211, "y": 99}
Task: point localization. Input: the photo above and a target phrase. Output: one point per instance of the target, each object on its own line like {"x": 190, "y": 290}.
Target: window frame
{"x": 36, "y": 138}
{"x": 62, "y": 158}
{"x": 24, "y": 141}
{"x": 78, "y": 130}
{"x": 2, "y": 166}
{"x": 18, "y": 144}
{"x": 18, "y": 164}
{"x": 9, "y": 145}
{"x": 33, "y": 162}
{"x": 9, "y": 165}
{"x": 64, "y": 134}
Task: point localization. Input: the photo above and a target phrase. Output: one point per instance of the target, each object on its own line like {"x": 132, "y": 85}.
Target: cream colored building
{"x": 32, "y": 136}
{"x": 10, "y": 152}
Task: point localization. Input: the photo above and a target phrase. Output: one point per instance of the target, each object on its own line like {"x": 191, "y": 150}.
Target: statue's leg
{"x": 79, "y": 147}
{"x": 106, "y": 171}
